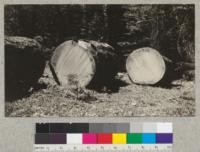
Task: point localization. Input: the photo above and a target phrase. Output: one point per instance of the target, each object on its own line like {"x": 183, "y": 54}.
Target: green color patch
{"x": 134, "y": 138}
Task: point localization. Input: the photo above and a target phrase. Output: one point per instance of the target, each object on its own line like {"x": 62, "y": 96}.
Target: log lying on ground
{"x": 185, "y": 66}
{"x": 84, "y": 63}
{"x": 186, "y": 70}
{"x": 24, "y": 65}
{"x": 145, "y": 66}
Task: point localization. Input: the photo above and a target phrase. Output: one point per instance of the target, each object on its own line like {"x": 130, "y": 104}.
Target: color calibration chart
{"x": 143, "y": 137}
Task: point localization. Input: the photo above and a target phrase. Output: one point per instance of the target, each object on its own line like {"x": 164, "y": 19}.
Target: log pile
{"x": 24, "y": 65}
{"x": 83, "y": 63}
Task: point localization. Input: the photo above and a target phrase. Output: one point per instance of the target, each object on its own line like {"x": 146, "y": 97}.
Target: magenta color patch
{"x": 89, "y": 138}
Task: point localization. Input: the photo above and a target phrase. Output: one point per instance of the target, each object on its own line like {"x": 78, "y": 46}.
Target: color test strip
{"x": 119, "y": 138}
{"x": 104, "y": 133}
{"x": 69, "y": 128}
{"x": 78, "y": 128}
{"x": 164, "y": 138}
{"x": 58, "y": 128}
{"x": 134, "y": 138}
{"x": 148, "y": 138}
{"x": 104, "y": 138}
{"x": 104, "y": 127}
{"x": 89, "y": 138}
{"x": 96, "y": 128}
{"x": 149, "y": 127}
{"x": 42, "y": 138}
{"x": 57, "y": 138}
{"x": 122, "y": 128}
{"x": 50, "y": 138}
{"x": 164, "y": 127}
{"x": 109, "y": 127}
{"x": 75, "y": 138}
{"x": 42, "y": 128}
{"x": 136, "y": 127}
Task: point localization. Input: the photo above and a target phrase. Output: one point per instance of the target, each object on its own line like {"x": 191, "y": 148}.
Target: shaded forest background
{"x": 167, "y": 28}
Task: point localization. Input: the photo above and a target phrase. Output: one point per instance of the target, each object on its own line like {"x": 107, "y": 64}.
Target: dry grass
{"x": 130, "y": 100}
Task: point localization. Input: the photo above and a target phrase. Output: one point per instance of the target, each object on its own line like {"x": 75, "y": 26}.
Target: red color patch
{"x": 104, "y": 138}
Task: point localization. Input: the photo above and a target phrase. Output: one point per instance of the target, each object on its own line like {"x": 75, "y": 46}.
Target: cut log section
{"x": 83, "y": 63}
{"x": 145, "y": 66}
{"x": 24, "y": 65}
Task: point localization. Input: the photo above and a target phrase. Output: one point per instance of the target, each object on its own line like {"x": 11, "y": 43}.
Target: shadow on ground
{"x": 22, "y": 91}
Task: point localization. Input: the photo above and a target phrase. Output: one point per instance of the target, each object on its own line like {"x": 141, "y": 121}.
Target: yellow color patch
{"x": 119, "y": 138}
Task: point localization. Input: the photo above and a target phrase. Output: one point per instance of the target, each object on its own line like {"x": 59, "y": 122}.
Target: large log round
{"x": 84, "y": 63}
{"x": 145, "y": 66}
{"x": 24, "y": 65}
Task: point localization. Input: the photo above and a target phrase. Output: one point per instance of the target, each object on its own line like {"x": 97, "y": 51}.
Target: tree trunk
{"x": 84, "y": 63}
{"x": 185, "y": 43}
{"x": 24, "y": 65}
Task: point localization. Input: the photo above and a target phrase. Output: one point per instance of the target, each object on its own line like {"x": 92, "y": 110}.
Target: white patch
{"x": 84, "y": 44}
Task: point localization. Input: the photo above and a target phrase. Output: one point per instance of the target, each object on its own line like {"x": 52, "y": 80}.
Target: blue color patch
{"x": 148, "y": 138}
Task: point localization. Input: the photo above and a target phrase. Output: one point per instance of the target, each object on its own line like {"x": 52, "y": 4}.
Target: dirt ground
{"x": 49, "y": 99}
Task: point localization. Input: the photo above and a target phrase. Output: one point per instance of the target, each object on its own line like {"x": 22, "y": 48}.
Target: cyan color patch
{"x": 148, "y": 138}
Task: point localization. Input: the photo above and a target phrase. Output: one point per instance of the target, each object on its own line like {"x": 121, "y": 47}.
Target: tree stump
{"x": 24, "y": 65}
{"x": 86, "y": 63}
{"x": 145, "y": 66}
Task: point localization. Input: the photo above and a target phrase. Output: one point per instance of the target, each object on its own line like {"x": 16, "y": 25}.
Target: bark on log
{"x": 189, "y": 75}
{"x": 24, "y": 65}
{"x": 185, "y": 66}
{"x": 186, "y": 70}
{"x": 145, "y": 66}
{"x": 84, "y": 63}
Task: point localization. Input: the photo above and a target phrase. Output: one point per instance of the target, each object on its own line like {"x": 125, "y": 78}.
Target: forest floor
{"x": 49, "y": 99}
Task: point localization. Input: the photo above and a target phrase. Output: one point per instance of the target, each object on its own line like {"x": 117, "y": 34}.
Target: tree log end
{"x": 73, "y": 64}
{"x": 145, "y": 66}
